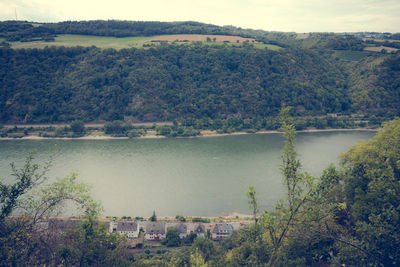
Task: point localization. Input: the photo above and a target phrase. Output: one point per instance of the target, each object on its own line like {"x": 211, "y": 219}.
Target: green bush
{"x": 77, "y": 127}
{"x": 200, "y": 219}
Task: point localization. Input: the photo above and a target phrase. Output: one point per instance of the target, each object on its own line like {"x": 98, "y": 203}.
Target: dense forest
{"x": 170, "y": 82}
{"x": 164, "y": 83}
{"x": 349, "y": 216}
{"x": 202, "y": 81}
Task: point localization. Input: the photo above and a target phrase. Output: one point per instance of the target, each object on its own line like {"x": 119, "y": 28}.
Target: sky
{"x": 269, "y": 15}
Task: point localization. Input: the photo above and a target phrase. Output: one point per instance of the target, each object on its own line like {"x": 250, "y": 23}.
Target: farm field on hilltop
{"x": 382, "y": 40}
{"x": 203, "y": 38}
{"x": 209, "y": 39}
{"x": 105, "y": 42}
{"x": 379, "y": 49}
{"x": 86, "y": 40}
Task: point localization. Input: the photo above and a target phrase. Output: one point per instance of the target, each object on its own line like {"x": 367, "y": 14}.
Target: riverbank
{"x": 232, "y": 217}
{"x": 205, "y": 133}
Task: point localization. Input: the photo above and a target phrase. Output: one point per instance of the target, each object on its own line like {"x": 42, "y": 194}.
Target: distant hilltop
{"x": 28, "y": 31}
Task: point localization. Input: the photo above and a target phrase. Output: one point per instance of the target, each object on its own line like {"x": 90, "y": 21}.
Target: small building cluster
{"x": 154, "y": 231}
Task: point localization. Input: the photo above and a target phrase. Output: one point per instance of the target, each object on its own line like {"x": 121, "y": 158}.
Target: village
{"x": 139, "y": 231}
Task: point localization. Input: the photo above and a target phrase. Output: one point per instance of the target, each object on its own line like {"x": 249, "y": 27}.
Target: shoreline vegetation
{"x": 203, "y": 133}
{"x": 185, "y": 128}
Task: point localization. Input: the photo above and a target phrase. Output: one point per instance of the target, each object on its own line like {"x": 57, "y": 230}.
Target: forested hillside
{"x": 166, "y": 82}
{"x": 193, "y": 80}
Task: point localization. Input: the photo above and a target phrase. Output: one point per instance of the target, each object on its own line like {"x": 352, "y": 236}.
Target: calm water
{"x": 198, "y": 176}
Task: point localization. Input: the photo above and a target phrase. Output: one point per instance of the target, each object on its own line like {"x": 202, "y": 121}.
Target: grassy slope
{"x": 269, "y": 46}
{"x": 379, "y": 49}
{"x": 87, "y": 40}
{"x": 69, "y": 40}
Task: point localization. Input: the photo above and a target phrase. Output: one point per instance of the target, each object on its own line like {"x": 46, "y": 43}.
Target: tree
{"x": 172, "y": 238}
{"x": 91, "y": 245}
{"x": 16, "y": 234}
{"x": 247, "y": 247}
{"x": 153, "y": 217}
{"x": 372, "y": 187}
{"x": 280, "y": 222}
{"x": 180, "y": 218}
{"x": 28, "y": 177}
{"x": 189, "y": 239}
{"x": 196, "y": 260}
{"x": 205, "y": 246}
{"x": 350, "y": 216}
{"x": 117, "y": 128}
{"x": 23, "y": 240}
{"x": 251, "y": 194}
{"x": 50, "y": 199}
{"x": 77, "y": 127}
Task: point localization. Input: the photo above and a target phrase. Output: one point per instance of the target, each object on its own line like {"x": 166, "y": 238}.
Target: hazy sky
{"x": 278, "y": 15}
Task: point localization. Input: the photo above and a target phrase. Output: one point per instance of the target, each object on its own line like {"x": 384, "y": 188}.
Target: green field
{"x": 104, "y": 42}
{"x": 380, "y": 48}
{"x": 87, "y": 40}
{"x": 269, "y": 46}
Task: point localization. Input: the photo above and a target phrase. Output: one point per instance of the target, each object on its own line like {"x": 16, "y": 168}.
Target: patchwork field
{"x": 203, "y": 38}
{"x": 382, "y": 40}
{"x": 104, "y": 42}
{"x": 86, "y": 40}
{"x": 380, "y": 48}
{"x": 256, "y": 45}
{"x": 301, "y": 36}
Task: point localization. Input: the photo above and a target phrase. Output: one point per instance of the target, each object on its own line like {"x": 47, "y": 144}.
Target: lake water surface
{"x": 193, "y": 177}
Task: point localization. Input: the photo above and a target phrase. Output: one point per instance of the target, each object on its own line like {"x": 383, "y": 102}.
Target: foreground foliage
{"x": 373, "y": 193}
{"x": 27, "y": 239}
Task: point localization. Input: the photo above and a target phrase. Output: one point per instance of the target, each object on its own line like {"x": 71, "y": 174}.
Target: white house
{"x": 128, "y": 229}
